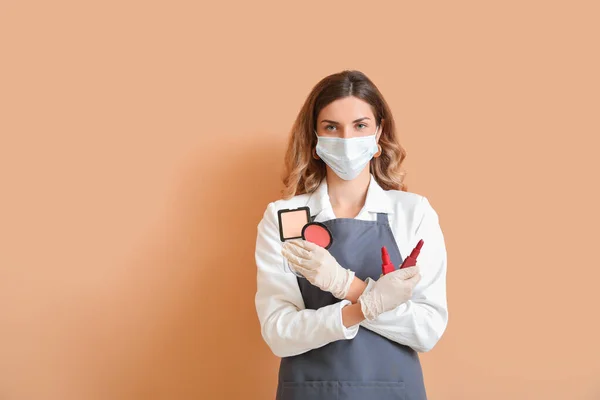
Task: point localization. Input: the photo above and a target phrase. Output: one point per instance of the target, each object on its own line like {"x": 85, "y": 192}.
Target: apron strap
{"x": 382, "y": 218}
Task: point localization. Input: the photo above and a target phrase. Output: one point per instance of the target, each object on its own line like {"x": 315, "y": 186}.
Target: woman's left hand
{"x": 318, "y": 266}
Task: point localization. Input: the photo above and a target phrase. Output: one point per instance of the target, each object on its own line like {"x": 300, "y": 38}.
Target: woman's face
{"x": 346, "y": 118}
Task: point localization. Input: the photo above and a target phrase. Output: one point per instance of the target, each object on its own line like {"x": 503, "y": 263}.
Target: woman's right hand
{"x": 389, "y": 291}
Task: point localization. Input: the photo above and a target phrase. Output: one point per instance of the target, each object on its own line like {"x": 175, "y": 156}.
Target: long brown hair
{"x": 303, "y": 173}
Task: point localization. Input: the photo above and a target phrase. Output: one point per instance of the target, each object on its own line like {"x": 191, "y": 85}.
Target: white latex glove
{"x": 318, "y": 266}
{"x": 389, "y": 291}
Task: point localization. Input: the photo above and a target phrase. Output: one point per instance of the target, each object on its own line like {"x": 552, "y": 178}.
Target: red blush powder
{"x": 317, "y": 234}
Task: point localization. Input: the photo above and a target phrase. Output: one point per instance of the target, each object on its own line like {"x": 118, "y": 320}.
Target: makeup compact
{"x": 317, "y": 233}
{"x": 294, "y": 223}
{"x": 291, "y": 222}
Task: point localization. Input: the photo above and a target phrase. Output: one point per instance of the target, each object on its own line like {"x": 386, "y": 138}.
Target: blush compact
{"x": 317, "y": 233}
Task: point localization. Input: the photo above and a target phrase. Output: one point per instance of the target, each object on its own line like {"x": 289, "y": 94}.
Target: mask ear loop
{"x": 375, "y": 134}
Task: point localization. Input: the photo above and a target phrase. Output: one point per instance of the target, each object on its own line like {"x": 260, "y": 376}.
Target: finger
{"x": 299, "y": 269}
{"x": 297, "y": 250}
{"x": 414, "y": 280}
{"x": 297, "y": 243}
{"x": 415, "y": 277}
{"x": 293, "y": 259}
{"x": 408, "y": 272}
{"x": 304, "y": 244}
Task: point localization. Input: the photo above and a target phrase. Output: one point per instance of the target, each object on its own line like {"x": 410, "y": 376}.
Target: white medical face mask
{"x": 347, "y": 157}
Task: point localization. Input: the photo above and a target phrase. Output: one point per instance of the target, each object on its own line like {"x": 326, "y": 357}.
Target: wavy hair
{"x": 303, "y": 173}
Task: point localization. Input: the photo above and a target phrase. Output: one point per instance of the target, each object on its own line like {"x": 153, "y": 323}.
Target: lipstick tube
{"x": 386, "y": 264}
{"x": 411, "y": 260}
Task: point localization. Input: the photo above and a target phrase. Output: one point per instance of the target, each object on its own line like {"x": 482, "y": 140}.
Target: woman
{"x": 343, "y": 331}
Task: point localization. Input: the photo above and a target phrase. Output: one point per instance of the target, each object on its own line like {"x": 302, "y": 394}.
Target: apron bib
{"x": 369, "y": 366}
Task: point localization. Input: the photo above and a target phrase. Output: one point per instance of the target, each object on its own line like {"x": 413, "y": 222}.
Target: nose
{"x": 345, "y": 133}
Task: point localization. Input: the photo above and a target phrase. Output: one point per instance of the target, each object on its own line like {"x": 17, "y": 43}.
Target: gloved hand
{"x": 318, "y": 266}
{"x": 389, "y": 291}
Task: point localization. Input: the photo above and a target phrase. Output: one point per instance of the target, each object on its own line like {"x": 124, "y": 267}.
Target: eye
{"x": 362, "y": 124}
{"x": 328, "y": 126}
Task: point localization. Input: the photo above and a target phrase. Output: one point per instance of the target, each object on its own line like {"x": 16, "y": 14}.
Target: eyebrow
{"x": 337, "y": 123}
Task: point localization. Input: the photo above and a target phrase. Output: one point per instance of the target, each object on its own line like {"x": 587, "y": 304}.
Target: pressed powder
{"x": 291, "y": 222}
{"x": 317, "y": 233}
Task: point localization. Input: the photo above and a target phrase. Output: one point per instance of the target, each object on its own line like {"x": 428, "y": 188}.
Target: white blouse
{"x": 289, "y": 328}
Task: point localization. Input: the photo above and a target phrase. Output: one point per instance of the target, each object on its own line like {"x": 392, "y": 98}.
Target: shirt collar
{"x": 377, "y": 199}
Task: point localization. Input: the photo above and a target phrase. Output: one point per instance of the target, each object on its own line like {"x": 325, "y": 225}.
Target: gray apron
{"x": 369, "y": 366}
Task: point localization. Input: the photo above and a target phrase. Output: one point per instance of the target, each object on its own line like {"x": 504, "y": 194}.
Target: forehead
{"x": 346, "y": 109}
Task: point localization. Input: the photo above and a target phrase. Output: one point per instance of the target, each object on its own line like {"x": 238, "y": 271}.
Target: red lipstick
{"x": 386, "y": 265}
{"x": 411, "y": 260}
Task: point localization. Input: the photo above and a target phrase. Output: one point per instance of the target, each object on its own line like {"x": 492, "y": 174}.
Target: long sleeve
{"x": 420, "y": 322}
{"x": 287, "y": 326}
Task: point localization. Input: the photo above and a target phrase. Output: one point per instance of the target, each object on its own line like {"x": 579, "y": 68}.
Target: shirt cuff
{"x": 347, "y": 332}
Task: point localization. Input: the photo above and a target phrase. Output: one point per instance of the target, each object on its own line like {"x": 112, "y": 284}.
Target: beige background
{"x": 142, "y": 141}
